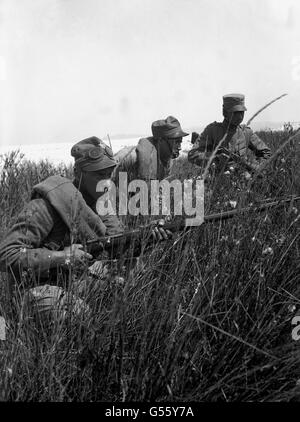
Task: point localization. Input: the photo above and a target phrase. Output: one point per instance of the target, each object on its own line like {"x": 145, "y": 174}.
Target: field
{"x": 207, "y": 318}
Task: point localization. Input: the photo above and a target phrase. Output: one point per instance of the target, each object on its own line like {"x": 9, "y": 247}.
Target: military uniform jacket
{"x": 239, "y": 141}
{"x": 42, "y": 226}
{"x": 143, "y": 161}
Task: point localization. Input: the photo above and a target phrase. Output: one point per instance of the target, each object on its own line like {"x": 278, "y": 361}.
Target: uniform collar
{"x": 231, "y": 129}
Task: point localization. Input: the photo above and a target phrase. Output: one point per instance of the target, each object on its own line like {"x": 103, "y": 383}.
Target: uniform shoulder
{"x": 125, "y": 153}
{"x": 213, "y": 125}
{"x": 145, "y": 144}
{"x": 50, "y": 183}
{"x": 146, "y": 141}
{"x": 39, "y": 205}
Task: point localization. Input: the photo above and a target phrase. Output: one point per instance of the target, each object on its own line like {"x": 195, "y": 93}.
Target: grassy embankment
{"x": 206, "y": 319}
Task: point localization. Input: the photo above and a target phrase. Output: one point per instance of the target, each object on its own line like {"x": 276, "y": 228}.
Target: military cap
{"x": 92, "y": 154}
{"x": 234, "y": 102}
{"x": 167, "y": 128}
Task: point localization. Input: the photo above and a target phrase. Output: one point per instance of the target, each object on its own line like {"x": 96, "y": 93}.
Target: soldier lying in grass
{"x": 152, "y": 157}
{"x": 46, "y": 241}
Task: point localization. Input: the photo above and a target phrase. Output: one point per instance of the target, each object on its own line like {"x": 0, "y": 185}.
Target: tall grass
{"x": 207, "y": 318}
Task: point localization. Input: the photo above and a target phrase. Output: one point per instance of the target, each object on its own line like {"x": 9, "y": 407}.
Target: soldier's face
{"x": 90, "y": 179}
{"x": 175, "y": 145}
{"x": 236, "y": 117}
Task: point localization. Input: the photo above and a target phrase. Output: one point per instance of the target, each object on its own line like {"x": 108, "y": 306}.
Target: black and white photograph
{"x": 149, "y": 204}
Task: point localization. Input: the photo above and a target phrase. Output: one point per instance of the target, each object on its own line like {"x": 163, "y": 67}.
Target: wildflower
{"x": 224, "y": 238}
{"x": 253, "y": 238}
{"x": 233, "y": 204}
{"x": 247, "y": 175}
{"x": 291, "y": 308}
{"x": 9, "y": 370}
{"x": 119, "y": 281}
{"x": 227, "y": 172}
{"x": 231, "y": 168}
{"x": 268, "y": 251}
{"x": 280, "y": 239}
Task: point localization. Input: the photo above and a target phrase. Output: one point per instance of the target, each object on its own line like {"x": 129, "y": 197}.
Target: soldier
{"x": 44, "y": 245}
{"x": 239, "y": 140}
{"x": 152, "y": 157}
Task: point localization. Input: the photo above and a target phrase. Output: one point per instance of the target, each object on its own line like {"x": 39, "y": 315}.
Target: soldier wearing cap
{"x": 45, "y": 242}
{"x": 152, "y": 157}
{"x": 239, "y": 138}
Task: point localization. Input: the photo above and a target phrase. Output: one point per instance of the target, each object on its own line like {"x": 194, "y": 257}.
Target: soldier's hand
{"x": 98, "y": 269}
{"x": 75, "y": 254}
{"x": 159, "y": 233}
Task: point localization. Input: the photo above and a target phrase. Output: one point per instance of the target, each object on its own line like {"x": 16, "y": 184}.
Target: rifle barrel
{"x": 263, "y": 206}
{"x": 181, "y": 224}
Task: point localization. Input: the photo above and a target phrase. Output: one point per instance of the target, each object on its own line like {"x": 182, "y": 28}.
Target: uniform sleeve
{"x": 202, "y": 148}
{"x": 21, "y": 249}
{"x": 260, "y": 149}
{"x": 113, "y": 225}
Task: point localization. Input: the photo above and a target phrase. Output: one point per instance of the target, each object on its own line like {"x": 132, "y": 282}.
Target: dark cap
{"x": 168, "y": 128}
{"x": 92, "y": 154}
{"x": 234, "y": 102}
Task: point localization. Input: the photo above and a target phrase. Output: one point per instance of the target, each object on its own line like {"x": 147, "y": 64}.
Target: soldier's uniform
{"x": 151, "y": 158}
{"x": 240, "y": 140}
{"x": 57, "y": 216}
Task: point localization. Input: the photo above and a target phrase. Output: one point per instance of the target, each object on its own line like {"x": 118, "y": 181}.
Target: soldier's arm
{"x": 22, "y": 250}
{"x": 113, "y": 225}
{"x": 202, "y": 148}
{"x": 260, "y": 149}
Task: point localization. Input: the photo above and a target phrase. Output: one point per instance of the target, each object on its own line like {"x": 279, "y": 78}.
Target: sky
{"x": 70, "y": 69}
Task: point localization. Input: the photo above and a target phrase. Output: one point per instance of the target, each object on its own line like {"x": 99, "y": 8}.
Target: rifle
{"x": 239, "y": 160}
{"x": 228, "y": 154}
{"x": 120, "y": 242}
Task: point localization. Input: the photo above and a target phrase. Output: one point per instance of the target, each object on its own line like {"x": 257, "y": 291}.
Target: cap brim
{"x": 98, "y": 166}
{"x": 238, "y": 108}
{"x": 95, "y": 167}
{"x": 179, "y": 134}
